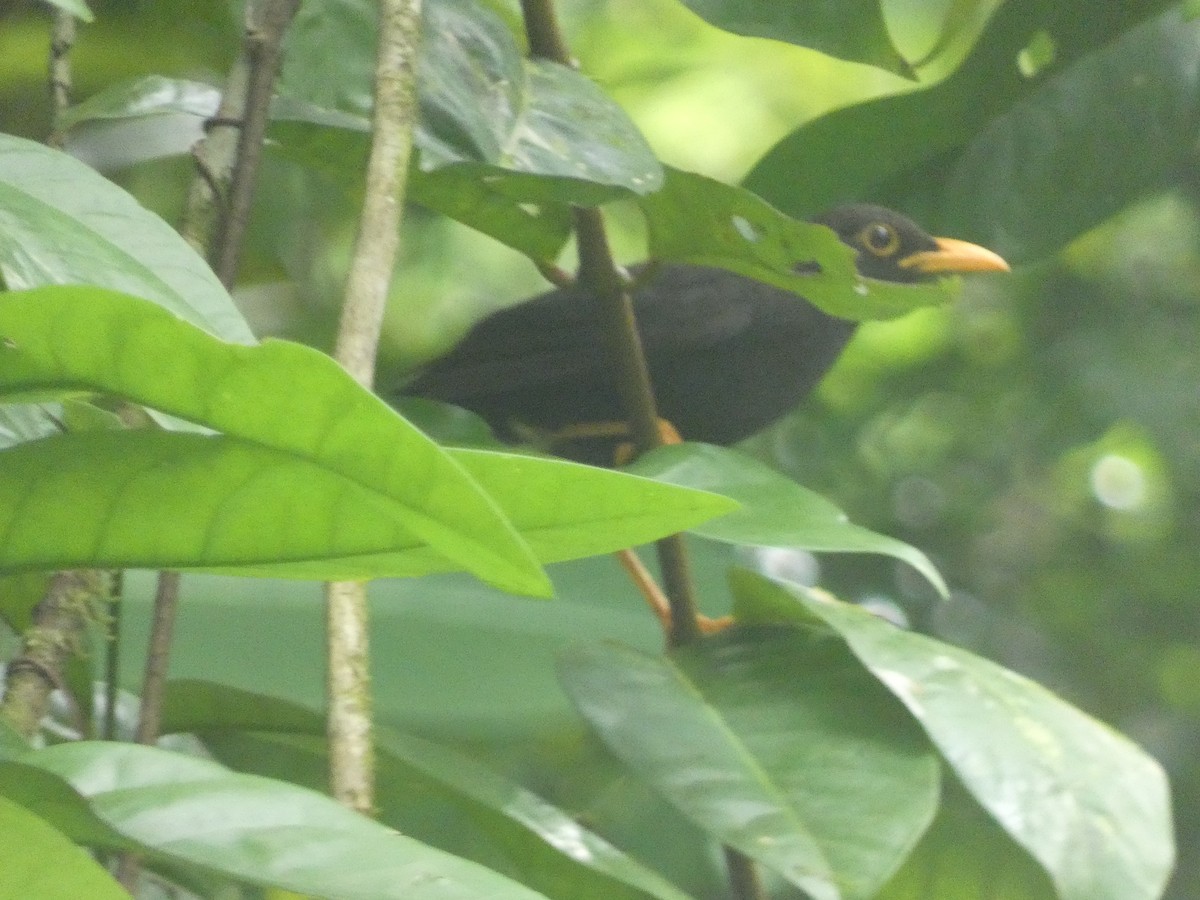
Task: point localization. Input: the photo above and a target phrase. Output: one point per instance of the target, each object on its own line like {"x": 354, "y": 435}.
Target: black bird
{"x": 728, "y": 355}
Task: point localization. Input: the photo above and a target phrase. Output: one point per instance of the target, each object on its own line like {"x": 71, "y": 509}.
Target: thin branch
{"x": 376, "y": 247}
{"x": 217, "y": 209}
{"x": 158, "y": 656}
{"x": 598, "y": 270}
{"x": 266, "y": 23}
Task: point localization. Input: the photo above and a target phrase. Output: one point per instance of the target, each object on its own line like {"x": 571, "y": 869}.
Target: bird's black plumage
{"x": 727, "y": 354}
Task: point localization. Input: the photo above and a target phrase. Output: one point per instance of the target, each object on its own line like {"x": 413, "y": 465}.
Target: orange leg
{"x": 657, "y": 600}
{"x": 638, "y": 573}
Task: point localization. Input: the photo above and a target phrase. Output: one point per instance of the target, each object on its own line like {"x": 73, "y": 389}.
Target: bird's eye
{"x": 880, "y": 239}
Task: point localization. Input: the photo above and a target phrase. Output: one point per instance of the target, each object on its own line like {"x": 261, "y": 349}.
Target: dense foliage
{"x": 1028, "y": 450}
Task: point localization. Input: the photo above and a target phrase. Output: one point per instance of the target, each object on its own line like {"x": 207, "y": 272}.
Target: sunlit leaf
{"x": 776, "y": 745}
{"x": 181, "y": 809}
{"x": 278, "y": 397}
{"x": 364, "y": 490}
{"x": 775, "y": 511}
{"x": 63, "y": 223}
{"x": 698, "y": 220}
{"x": 1091, "y": 807}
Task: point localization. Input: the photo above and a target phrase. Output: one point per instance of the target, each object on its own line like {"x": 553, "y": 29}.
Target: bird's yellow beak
{"x": 954, "y": 257}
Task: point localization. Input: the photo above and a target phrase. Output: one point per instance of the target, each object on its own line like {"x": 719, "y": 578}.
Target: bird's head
{"x": 892, "y": 247}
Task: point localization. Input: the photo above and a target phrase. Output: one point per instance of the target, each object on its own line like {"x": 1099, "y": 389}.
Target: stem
{"x": 227, "y": 159}
{"x": 158, "y": 656}
{"x": 57, "y": 631}
{"x": 266, "y": 24}
{"x": 598, "y": 270}
{"x": 376, "y": 247}
{"x": 62, "y": 39}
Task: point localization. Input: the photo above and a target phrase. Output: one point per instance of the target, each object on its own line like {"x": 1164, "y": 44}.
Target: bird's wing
{"x": 555, "y": 336}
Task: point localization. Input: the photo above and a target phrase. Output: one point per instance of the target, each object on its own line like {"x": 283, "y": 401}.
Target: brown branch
{"x": 744, "y": 880}
{"x": 377, "y": 244}
{"x": 227, "y": 159}
{"x": 266, "y": 23}
{"x": 158, "y": 655}
{"x": 598, "y": 270}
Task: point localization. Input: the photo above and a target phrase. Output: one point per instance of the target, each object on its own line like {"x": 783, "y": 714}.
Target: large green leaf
{"x": 900, "y": 149}
{"x": 776, "y": 745}
{"x": 367, "y": 494}
{"x": 282, "y": 398}
{"x": 62, "y": 223}
{"x": 424, "y": 789}
{"x": 1028, "y": 189}
{"x": 698, "y": 220}
{"x": 38, "y": 861}
{"x": 1091, "y": 807}
{"x": 189, "y": 811}
{"x": 852, "y": 29}
{"x": 775, "y": 511}
{"x": 153, "y": 499}
{"x": 531, "y": 130}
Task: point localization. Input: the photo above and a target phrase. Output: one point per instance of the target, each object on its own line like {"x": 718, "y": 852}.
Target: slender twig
{"x": 158, "y": 655}
{"x": 266, "y": 23}
{"x": 218, "y": 203}
{"x": 598, "y": 270}
{"x": 351, "y": 758}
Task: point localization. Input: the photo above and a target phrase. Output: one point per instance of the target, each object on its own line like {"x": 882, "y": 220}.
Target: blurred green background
{"x": 1040, "y": 440}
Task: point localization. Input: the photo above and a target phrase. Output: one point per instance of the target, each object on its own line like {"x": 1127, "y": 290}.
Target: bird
{"x": 727, "y": 354}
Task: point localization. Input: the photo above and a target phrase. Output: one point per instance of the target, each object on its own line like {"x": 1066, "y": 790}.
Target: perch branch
{"x": 376, "y": 247}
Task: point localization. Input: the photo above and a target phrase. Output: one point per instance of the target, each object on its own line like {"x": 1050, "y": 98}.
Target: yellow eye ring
{"x": 879, "y": 239}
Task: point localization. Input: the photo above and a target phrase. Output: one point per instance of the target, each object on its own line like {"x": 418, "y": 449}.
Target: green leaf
{"x": 541, "y": 131}
{"x": 219, "y": 504}
{"x": 482, "y": 102}
{"x": 775, "y": 511}
{"x": 286, "y": 398}
{"x": 1021, "y": 184}
{"x": 364, "y": 487}
{"x": 540, "y": 496}
{"x": 776, "y": 745}
{"x": 698, "y": 220}
{"x": 900, "y": 149}
{"x": 1091, "y": 807}
{"x": 334, "y": 145}
{"x": 853, "y": 29}
{"x": 424, "y": 789}
{"x": 62, "y": 223}
{"x": 38, "y": 861}
{"x": 965, "y": 855}
{"x": 192, "y": 811}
